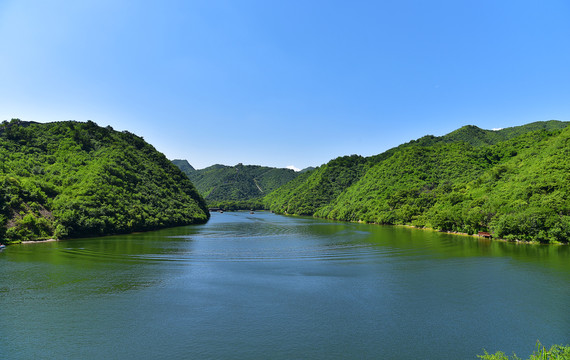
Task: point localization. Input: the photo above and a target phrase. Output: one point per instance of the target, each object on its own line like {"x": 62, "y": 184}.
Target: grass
{"x": 556, "y": 352}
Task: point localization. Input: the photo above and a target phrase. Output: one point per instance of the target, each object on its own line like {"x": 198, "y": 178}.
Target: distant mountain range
{"x": 219, "y": 183}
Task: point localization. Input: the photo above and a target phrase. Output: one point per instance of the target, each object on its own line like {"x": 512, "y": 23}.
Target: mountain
{"x": 477, "y": 137}
{"x": 512, "y": 182}
{"x": 73, "y": 179}
{"x": 316, "y": 188}
{"x": 184, "y": 165}
{"x": 220, "y": 183}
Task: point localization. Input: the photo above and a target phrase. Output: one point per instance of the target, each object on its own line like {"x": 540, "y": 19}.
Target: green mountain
{"x": 184, "y": 165}
{"x": 310, "y": 168}
{"x": 317, "y": 188}
{"x": 476, "y": 136}
{"x": 513, "y": 182}
{"x": 220, "y": 183}
{"x": 72, "y": 179}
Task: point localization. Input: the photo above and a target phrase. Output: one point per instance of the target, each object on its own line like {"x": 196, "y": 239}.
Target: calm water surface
{"x": 263, "y": 286}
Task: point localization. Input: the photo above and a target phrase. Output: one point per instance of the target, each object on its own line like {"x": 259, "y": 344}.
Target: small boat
{"x": 2, "y": 246}
{"x": 251, "y": 212}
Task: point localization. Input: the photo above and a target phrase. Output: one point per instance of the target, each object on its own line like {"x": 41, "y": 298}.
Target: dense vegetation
{"x": 238, "y": 187}
{"x": 556, "y": 352}
{"x": 72, "y": 179}
{"x": 184, "y": 165}
{"x": 314, "y": 189}
{"x": 514, "y": 183}
{"x": 476, "y": 136}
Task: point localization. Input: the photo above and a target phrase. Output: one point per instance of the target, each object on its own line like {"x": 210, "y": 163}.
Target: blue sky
{"x": 281, "y": 83}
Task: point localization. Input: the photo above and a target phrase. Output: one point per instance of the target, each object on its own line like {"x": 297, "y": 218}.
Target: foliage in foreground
{"x": 72, "y": 179}
{"x": 556, "y": 352}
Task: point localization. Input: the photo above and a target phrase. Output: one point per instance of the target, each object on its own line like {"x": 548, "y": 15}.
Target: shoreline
{"x": 110, "y": 234}
{"x": 439, "y": 231}
{"x": 362, "y": 222}
{"x": 476, "y": 236}
{"x": 36, "y": 241}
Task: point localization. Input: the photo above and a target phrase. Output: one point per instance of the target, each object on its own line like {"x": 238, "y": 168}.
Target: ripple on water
{"x": 256, "y": 239}
{"x": 220, "y": 249}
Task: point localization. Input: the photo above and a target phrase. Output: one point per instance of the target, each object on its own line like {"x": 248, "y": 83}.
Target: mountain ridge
{"x": 436, "y": 182}
{"x": 222, "y": 183}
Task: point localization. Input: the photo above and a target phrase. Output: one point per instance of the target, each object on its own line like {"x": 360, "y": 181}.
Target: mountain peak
{"x": 184, "y": 165}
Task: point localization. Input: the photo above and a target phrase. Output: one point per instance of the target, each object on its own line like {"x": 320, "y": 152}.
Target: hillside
{"x": 184, "y": 165}
{"x": 512, "y": 182}
{"x": 316, "y": 188}
{"x": 220, "y": 183}
{"x": 72, "y": 179}
{"x": 477, "y": 137}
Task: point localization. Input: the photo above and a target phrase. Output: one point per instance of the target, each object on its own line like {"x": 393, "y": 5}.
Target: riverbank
{"x": 479, "y": 237}
{"x": 492, "y": 238}
{"x": 37, "y": 241}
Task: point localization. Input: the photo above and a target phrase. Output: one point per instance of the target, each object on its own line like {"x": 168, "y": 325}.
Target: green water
{"x": 263, "y": 286}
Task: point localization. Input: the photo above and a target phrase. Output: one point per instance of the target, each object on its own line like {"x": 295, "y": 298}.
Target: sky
{"x": 284, "y": 83}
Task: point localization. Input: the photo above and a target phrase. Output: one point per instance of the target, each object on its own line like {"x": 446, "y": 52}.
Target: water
{"x": 263, "y": 286}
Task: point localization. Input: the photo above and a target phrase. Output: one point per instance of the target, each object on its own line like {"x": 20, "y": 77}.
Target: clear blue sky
{"x": 278, "y": 83}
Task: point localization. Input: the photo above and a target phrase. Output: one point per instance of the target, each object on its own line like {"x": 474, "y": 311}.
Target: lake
{"x": 264, "y": 286}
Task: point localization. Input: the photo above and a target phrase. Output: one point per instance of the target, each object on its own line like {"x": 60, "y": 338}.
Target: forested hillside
{"x": 184, "y": 165}
{"x": 220, "y": 184}
{"x": 513, "y": 183}
{"x": 72, "y": 179}
{"x": 476, "y": 136}
{"x": 316, "y": 188}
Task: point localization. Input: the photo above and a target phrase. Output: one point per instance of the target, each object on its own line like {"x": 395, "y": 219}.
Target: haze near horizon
{"x": 284, "y": 83}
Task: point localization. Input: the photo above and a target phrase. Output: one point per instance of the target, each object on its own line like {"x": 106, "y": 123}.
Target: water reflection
{"x": 267, "y": 286}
